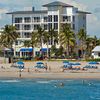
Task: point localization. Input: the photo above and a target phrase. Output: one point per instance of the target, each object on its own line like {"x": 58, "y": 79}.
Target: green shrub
{"x": 93, "y": 60}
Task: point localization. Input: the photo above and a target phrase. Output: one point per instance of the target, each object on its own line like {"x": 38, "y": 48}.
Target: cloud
{"x": 3, "y": 10}
{"x": 76, "y": 4}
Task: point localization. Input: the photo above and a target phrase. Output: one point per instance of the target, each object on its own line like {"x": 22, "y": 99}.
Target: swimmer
{"x": 61, "y": 84}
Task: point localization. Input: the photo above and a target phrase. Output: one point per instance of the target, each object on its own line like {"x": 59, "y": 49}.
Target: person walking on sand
{"x": 20, "y": 73}
{"x": 28, "y": 70}
{"x": 46, "y": 67}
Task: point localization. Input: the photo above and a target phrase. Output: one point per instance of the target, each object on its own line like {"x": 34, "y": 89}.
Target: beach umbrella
{"x": 20, "y": 64}
{"x": 39, "y": 63}
{"x": 77, "y": 63}
{"x": 93, "y": 62}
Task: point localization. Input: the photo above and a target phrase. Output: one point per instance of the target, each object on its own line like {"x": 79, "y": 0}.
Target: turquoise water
{"x": 40, "y": 89}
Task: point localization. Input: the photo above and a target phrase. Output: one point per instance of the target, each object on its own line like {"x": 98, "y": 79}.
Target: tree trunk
{"x": 47, "y": 51}
{"x": 33, "y": 51}
{"x": 41, "y": 48}
{"x": 68, "y": 49}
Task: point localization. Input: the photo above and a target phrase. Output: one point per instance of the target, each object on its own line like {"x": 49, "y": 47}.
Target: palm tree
{"x": 8, "y": 36}
{"x": 98, "y": 42}
{"x": 34, "y": 40}
{"x": 53, "y": 36}
{"x": 67, "y": 37}
{"x": 27, "y": 43}
{"x": 40, "y": 33}
{"x": 46, "y": 38}
{"x": 89, "y": 44}
{"x": 82, "y": 38}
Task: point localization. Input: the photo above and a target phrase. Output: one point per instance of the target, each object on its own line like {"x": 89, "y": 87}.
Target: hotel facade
{"x": 57, "y": 14}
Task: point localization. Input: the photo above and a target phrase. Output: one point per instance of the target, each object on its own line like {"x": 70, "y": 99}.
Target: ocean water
{"x": 43, "y": 89}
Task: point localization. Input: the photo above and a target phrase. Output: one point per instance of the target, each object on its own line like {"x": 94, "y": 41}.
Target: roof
{"x": 57, "y": 3}
{"x": 83, "y": 12}
{"x": 28, "y": 12}
{"x": 96, "y": 49}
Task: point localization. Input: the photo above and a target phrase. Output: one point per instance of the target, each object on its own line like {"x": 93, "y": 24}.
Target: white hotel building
{"x": 57, "y": 13}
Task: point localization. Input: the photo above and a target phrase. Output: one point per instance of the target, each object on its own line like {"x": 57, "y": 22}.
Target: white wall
{"x": 95, "y": 55}
{"x": 81, "y": 21}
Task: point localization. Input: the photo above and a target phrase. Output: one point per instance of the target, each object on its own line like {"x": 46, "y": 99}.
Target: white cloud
{"x": 3, "y": 10}
{"x": 76, "y": 4}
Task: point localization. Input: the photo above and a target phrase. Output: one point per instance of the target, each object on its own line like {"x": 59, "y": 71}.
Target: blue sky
{"x": 93, "y": 22}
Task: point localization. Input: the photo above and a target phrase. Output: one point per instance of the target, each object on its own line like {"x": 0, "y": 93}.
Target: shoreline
{"x": 25, "y": 75}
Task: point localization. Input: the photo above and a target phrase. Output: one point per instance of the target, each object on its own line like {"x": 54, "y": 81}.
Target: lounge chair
{"x": 91, "y": 67}
{"x": 93, "y": 62}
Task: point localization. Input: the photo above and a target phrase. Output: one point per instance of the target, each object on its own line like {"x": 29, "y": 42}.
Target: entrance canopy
{"x": 26, "y": 49}
{"x": 44, "y": 49}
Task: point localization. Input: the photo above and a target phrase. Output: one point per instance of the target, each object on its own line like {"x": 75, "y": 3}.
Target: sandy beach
{"x": 53, "y": 73}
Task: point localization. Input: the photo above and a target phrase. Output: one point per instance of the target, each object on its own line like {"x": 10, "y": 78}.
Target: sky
{"x": 93, "y": 6}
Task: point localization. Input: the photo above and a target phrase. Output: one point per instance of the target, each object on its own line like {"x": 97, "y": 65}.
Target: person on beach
{"x": 46, "y": 67}
{"x": 28, "y": 70}
{"x": 20, "y": 73}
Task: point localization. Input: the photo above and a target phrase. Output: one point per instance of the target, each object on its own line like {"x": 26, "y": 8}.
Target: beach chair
{"x": 66, "y": 66}
{"x": 91, "y": 67}
{"x": 75, "y": 66}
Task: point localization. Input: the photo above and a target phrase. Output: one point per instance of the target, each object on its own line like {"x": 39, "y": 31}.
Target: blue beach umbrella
{"x": 93, "y": 63}
{"x": 39, "y": 63}
{"x": 20, "y": 64}
{"x": 77, "y": 63}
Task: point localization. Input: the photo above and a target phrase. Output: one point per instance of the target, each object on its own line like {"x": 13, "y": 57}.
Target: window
{"x": 64, "y": 18}
{"x": 36, "y": 27}
{"x": 36, "y": 19}
{"x": 69, "y": 18}
{"x": 17, "y": 26}
{"x": 45, "y": 19}
{"x": 55, "y": 18}
{"x": 27, "y": 27}
{"x": 16, "y": 42}
{"x": 50, "y": 26}
{"x": 73, "y": 18}
{"x": 73, "y": 26}
{"x": 18, "y": 20}
{"x": 55, "y": 25}
{"x": 27, "y": 19}
{"x": 45, "y": 27}
{"x": 99, "y": 54}
{"x": 50, "y": 18}
{"x": 27, "y": 35}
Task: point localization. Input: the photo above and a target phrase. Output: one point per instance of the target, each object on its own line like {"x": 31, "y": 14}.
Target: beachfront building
{"x": 96, "y": 52}
{"x": 57, "y": 14}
